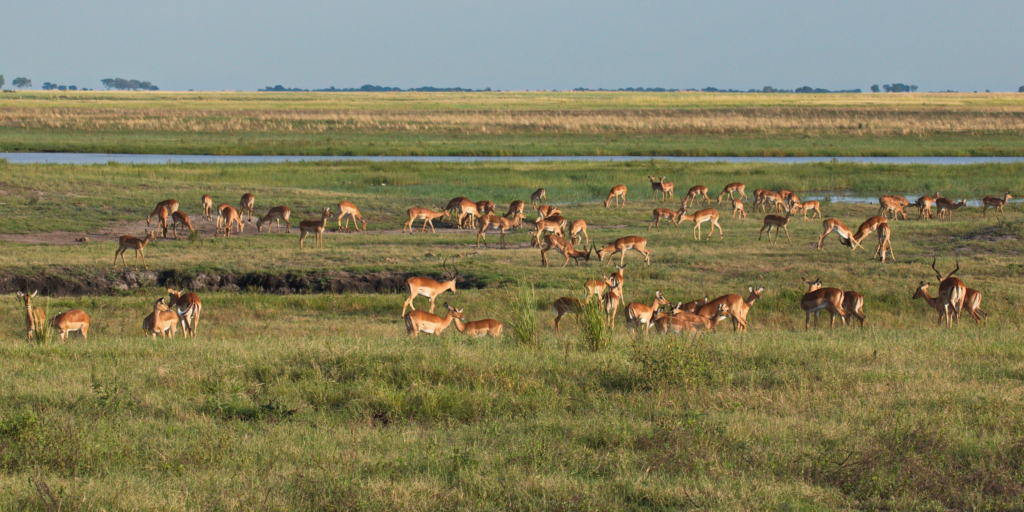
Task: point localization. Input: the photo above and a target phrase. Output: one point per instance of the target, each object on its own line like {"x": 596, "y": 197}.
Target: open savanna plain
{"x": 514, "y": 123}
{"x": 311, "y": 400}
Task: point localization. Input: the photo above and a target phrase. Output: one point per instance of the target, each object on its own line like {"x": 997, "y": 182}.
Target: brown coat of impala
{"x": 732, "y": 190}
{"x": 478, "y": 328}
{"x": 543, "y": 226}
{"x": 664, "y": 213}
{"x": 428, "y": 288}
{"x": 810, "y": 206}
{"x": 817, "y": 299}
{"x": 182, "y": 219}
{"x": 884, "y": 242}
{"x": 972, "y": 302}
{"x": 738, "y": 209}
{"x": 616, "y": 193}
{"x": 246, "y": 205}
{"x": 207, "y": 201}
{"x": 994, "y": 202}
{"x": 624, "y": 244}
{"x": 126, "y": 242}
{"x": 71, "y": 321}
{"x": 700, "y": 217}
{"x": 739, "y": 307}
{"x": 853, "y": 305}
{"x": 666, "y": 188}
{"x": 516, "y": 207}
{"x": 170, "y": 204}
{"x": 349, "y": 211}
{"x": 426, "y": 215}
{"x": 560, "y": 244}
{"x": 188, "y": 306}
{"x": 35, "y": 316}
{"x": 952, "y": 293}
{"x": 612, "y": 299}
{"x": 945, "y": 207}
{"x": 597, "y": 287}
{"x": 162, "y": 320}
{"x": 276, "y": 214}
{"x": 502, "y": 224}
{"x": 538, "y": 195}
{"x": 680, "y": 320}
{"x": 925, "y": 204}
{"x": 893, "y": 206}
{"x": 229, "y": 217}
{"x": 547, "y": 210}
{"x": 317, "y": 227}
{"x": 429, "y": 323}
{"x": 641, "y": 315}
{"x": 777, "y": 222}
{"x": 578, "y": 227}
{"x": 565, "y": 305}
{"x": 696, "y": 192}
{"x": 834, "y": 225}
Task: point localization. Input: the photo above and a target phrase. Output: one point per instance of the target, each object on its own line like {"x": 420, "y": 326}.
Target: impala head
{"x": 457, "y": 313}
{"x": 660, "y": 299}
{"x": 605, "y": 251}
{"x": 1007, "y": 196}
{"x": 755, "y": 293}
{"x": 450, "y": 275}
{"x": 150, "y": 235}
{"x": 27, "y": 297}
{"x": 922, "y": 290}
{"x": 722, "y": 312}
{"x": 812, "y": 285}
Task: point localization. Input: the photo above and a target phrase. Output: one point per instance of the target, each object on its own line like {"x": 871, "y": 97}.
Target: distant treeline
{"x": 380, "y": 88}
{"x": 125, "y": 84}
{"x": 371, "y": 88}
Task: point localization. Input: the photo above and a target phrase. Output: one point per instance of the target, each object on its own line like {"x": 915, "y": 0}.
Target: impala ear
{"x": 750, "y": 289}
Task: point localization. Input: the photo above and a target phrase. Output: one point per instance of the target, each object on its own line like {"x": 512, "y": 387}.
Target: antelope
{"x": 468, "y": 213}
{"x": 278, "y": 214}
{"x": 778, "y": 223}
{"x": 680, "y": 320}
{"x": 564, "y": 306}
{"x": 924, "y": 205}
{"x": 478, "y": 328}
{"x": 884, "y": 242}
{"x": 733, "y": 188}
{"x": 946, "y": 207}
{"x": 207, "y": 206}
{"x": 565, "y": 247}
{"x": 220, "y": 218}
{"x": 162, "y": 320}
{"x": 817, "y": 299}
{"x": 994, "y": 202}
{"x": 758, "y": 198}
{"x": 126, "y": 242}
{"x": 538, "y": 195}
{"x": 547, "y": 225}
{"x": 485, "y": 207}
{"x": 229, "y": 216}
{"x": 738, "y": 210}
{"x": 546, "y": 211}
{"x": 972, "y": 302}
{"x": 893, "y": 205}
{"x": 738, "y": 306}
{"x": 317, "y": 227}
{"x": 424, "y": 214}
{"x": 660, "y": 185}
{"x": 641, "y": 315}
{"x": 35, "y": 316}
{"x": 170, "y": 204}
{"x": 348, "y": 210}
{"x": 421, "y": 321}
{"x": 786, "y": 194}
{"x": 700, "y": 217}
{"x": 834, "y": 225}
{"x": 246, "y": 204}
{"x": 182, "y": 219}
{"x": 692, "y": 306}
{"x": 71, "y": 321}
{"x": 597, "y": 287}
{"x": 853, "y": 305}
{"x": 952, "y": 292}
{"x": 807, "y": 206}
{"x": 163, "y": 215}
{"x": 617, "y": 192}
{"x": 866, "y": 228}
{"x": 791, "y": 200}
{"x": 429, "y": 288}
{"x": 188, "y": 306}
{"x": 621, "y": 245}
{"x": 664, "y": 213}
{"x": 515, "y": 207}
{"x": 612, "y": 298}
{"x": 772, "y": 201}
{"x": 695, "y": 192}
{"x": 578, "y": 226}
{"x": 503, "y": 225}
{"x": 455, "y": 204}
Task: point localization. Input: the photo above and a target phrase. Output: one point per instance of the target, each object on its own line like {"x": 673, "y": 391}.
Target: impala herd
{"x": 553, "y": 232}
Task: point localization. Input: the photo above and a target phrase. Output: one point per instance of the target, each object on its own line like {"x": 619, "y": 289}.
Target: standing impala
{"x": 163, "y": 215}
{"x": 660, "y": 185}
{"x": 538, "y": 195}
{"x": 884, "y": 242}
{"x": 578, "y": 226}
{"x": 853, "y": 305}
{"x": 817, "y": 299}
{"x": 994, "y": 202}
{"x": 468, "y": 214}
{"x": 738, "y": 306}
{"x": 778, "y": 223}
{"x": 833, "y": 225}
{"x": 563, "y": 246}
{"x": 612, "y": 299}
{"x": 891, "y": 205}
{"x": 126, "y": 242}
{"x": 564, "y": 306}
{"x": 348, "y": 210}
{"x": 182, "y": 219}
{"x": 620, "y": 246}
{"x": 664, "y": 213}
{"x": 972, "y": 302}
{"x": 810, "y": 206}
{"x": 71, "y": 321}
{"x": 680, "y": 320}
{"x": 429, "y": 288}
{"x": 700, "y": 217}
{"x": 772, "y": 201}
{"x": 732, "y": 190}
{"x": 229, "y": 216}
{"x": 170, "y": 204}
{"x": 429, "y": 323}
{"x": 543, "y": 226}
{"x": 163, "y": 320}
{"x": 426, "y": 215}
{"x": 35, "y": 316}
{"x": 616, "y": 193}
{"x": 641, "y": 315}
{"x": 697, "y": 192}
{"x": 502, "y": 224}
{"x": 276, "y": 214}
{"x": 866, "y": 228}
{"x": 317, "y": 227}
{"x": 952, "y": 292}
{"x": 246, "y": 205}
{"x": 207, "y": 206}
{"x": 188, "y": 306}
{"x": 514, "y": 208}
{"x": 738, "y": 210}
{"x": 946, "y": 207}
{"x": 597, "y": 287}
{"x": 924, "y": 205}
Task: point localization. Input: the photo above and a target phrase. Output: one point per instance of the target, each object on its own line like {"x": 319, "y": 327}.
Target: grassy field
{"x": 320, "y": 401}
{"x": 514, "y": 123}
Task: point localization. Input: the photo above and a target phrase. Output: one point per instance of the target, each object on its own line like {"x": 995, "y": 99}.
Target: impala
{"x": 515, "y": 207}
{"x": 772, "y": 201}
{"x": 429, "y": 288}
{"x": 738, "y": 210}
{"x": 207, "y": 206}
{"x": 612, "y": 299}
{"x": 853, "y": 305}
{"x": 884, "y": 242}
{"x": 660, "y": 185}
{"x": 317, "y": 227}
{"x": 578, "y": 226}
{"x": 229, "y": 216}
{"x": 758, "y": 198}
{"x": 126, "y": 242}
{"x": 994, "y": 202}
{"x": 700, "y": 217}
{"x": 163, "y": 215}
{"x": 421, "y": 321}
{"x": 546, "y": 210}
{"x": 182, "y": 219}
{"x": 279, "y": 214}
{"x": 468, "y": 213}
{"x": 791, "y": 199}
{"x": 502, "y": 224}
{"x": 692, "y": 306}
{"x": 616, "y": 193}
{"x": 738, "y": 307}
{"x": 641, "y": 315}
{"x": 778, "y": 222}
{"x": 679, "y": 321}
{"x": 597, "y": 287}
{"x": 946, "y": 207}
{"x": 924, "y": 205}
{"x": 808, "y": 206}
{"x": 833, "y": 225}
{"x": 188, "y": 307}
{"x": 424, "y": 214}
{"x": 786, "y": 194}
{"x": 35, "y": 316}
{"x": 952, "y": 292}
{"x": 544, "y": 226}
{"x": 246, "y": 204}
{"x": 565, "y": 247}
{"x": 664, "y": 213}
{"x": 972, "y": 302}
{"x": 538, "y": 195}
{"x": 162, "y": 320}
{"x": 621, "y": 245}
{"x": 71, "y": 321}
{"x": 564, "y": 306}
{"x": 731, "y": 189}
{"x": 478, "y": 328}
{"x": 891, "y": 205}
{"x": 485, "y": 207}
{"x": 220, "y": 217}
{"x": 866, "y": 228}
{"x": 170, "y": 204}
{"x": 817, "y": 299}
{"x": 348, "y": 210}
{"x": 697, "y": 192}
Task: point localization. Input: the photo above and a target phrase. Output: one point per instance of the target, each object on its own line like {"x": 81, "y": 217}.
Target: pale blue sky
{"x": 522, "y": 44}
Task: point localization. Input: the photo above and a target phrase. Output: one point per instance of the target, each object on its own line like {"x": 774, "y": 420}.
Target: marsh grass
{"x": 522, "y": 312}
{"x": 595, "y": 332}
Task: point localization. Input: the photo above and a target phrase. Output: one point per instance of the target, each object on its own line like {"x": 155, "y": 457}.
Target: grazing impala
{"x": 514, "y": 208}
{"x": 893, "y": 206}
{"x": 246, "y": 205}
{"x": 220, "y": 216}
{"x": 660, "y": 185}
{"x": 924, "y": 205}
{"x": 564, "y": 306}
{"x": 565, "y": 247}
{"x": 817, "y": 299}
{"x": 126, "y": 242}
{"x": 429, "y": 288}
{"x": 317, "y": 227}
{"x": 946, "y": 207}
{"x": 853, "y": 305}
{"x": 163, "y": 215}
{"x": 732, "y": 190}
{"x": 833, "y": 225}
{"x": 738, "y": 306}
{"x": 620, "y": 246}
{"x": 170, "y": 204}
{"x": 810, "y": 206}
{"x": 538, "y": 195}
{"x": 468, "y": 214}
{"x": 641, "y": 315}
{"x": 162, "y": 320}
{"x": 188, "y": 307}
{"x": 502, "y": 224}
{"x": 229, "y": 216}
{"x": 759, "y": 198}
{"x": 994, "y": 202}
{"x": 478, "y": 328}
{"x": 429, "y": 323}
{"x": 207, "y": 206}
{"x": 424, "y": 214}
{"x": 772, "y": 201}
{"x": 952, "y": 293}
{"x": 778, "y": 222}
{"x": 577, "y": 227}
{"x": 738, "y": 210}
{"x": 884, "y": 242}
{"x": 616, "y": 193}
{"x": 683, "y": 321}
{"x": 700, "y": 217}
{"x": 546, "y": 210}
{"x": 348, "y": 210}
{"x": 182, "y": 219}
{"x": 71, "y": 321}
{"x": 278, "y": 214}
{"x": 612, "y": 299}
{"x": 664, "y": 213}
{"x": 35, "y": 316}
{"x": 543, "y": 226}
{"x": 972, "y": 302}
{"x": 696, "y": 192}
{"x": 597, "y": 287}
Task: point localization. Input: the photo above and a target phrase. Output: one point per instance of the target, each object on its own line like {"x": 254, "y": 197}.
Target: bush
{"x": 593, "y": 326}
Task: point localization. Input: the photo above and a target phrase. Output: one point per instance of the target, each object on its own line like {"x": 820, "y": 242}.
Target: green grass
{"x": 320, "y": 401}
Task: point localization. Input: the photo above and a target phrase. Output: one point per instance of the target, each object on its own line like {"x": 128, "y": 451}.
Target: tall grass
{"x": 522, "y": 314}
{"x": 595, "y": 333}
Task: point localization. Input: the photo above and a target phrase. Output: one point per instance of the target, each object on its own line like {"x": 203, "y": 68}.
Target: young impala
{"x": 817, "y": 299}
{"x": 429, "y": 323}
{"x": 946, "y": 207}
{"x": 538, "y": 195}
{"x": 810, "y": 206}
{"x": 738, "y": 307}
{"x": 778, "y": 223}
{"x": 170, "y": 204}
{"x": 246, "y": 205}
{"x": 277, "y": 214}
{"x": 429, "y": 288}
{"x": 597, "y": 287}
{"x": 71, "y": 321}
{"x": 577, "y": 227}
{"x": 616, "y": 193}
{"x": 893, "y": 206}
{"x": 620, "y": 246}
{"x": 188, "y": 306}
{"x": 641, "y": 315}
{"x": 502, "y": 224}
{"x": 162, "y": 320}
{"x": 182, "y": 219}
{"x": 664, "y": 213}
{"x": 35, "y": 316}
{"x": 207, "y": 200}
{"x": 348, "y": 211}
{"x": 126, "y": 242}
{"x": 426, "y": 215}
{"x": 229, "y": 216}
{"x": 486, "y": 327}
{"x": 732, "y": 190}
{"x": 700, "y": 217}
{"x": 660, "y": 185}
{"x": 220, "y": 217}
{"x": 565, "y": 247}
{"x": 738, "y": 210}
{"x": 924, "y": 205}
{"x": 317, "y": 227}
{"x": 853, "y": 305}
{"x": 995, "y": 203}
{"x": 952, "y": 293}
{"x": 697, "y": 192}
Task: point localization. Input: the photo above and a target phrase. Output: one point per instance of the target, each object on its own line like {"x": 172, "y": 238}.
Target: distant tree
{"x": 1020, "y": 89}
{"x": 21, "y": 82}
{"x": 898, "y": 87}
{"x": 122, "y": 84}
{"x": 1, "y": 81}
{"x": 47, "y": 86}
{"x": 875, "y": 88}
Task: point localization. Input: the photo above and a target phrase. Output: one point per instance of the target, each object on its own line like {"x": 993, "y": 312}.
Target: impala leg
{"x": 788, "y": 239}
{"x": 432, "y": 303}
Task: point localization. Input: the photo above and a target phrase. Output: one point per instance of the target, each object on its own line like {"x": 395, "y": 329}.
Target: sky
{"x": 517, "y": 45}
